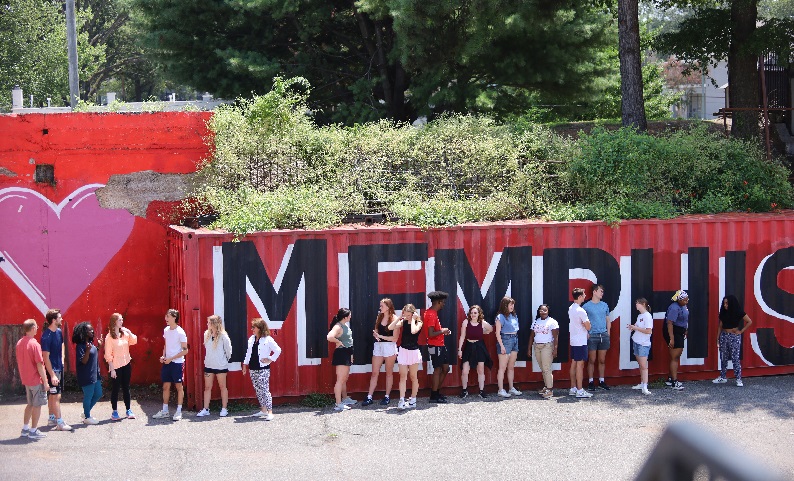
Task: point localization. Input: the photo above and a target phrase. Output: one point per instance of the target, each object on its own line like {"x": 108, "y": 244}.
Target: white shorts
{"x": 385, "y": 349}
{"x": 409, "y": 357}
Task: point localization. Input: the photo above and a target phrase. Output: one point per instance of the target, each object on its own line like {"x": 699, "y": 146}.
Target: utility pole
{"x": 71, "y": 44}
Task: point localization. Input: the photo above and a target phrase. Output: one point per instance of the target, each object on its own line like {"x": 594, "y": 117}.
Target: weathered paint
{"x": 298, "y": 279}
{"x": 60, "y": 249}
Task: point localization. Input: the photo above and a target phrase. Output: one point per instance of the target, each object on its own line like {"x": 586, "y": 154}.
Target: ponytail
{"x": 341, "y": 314}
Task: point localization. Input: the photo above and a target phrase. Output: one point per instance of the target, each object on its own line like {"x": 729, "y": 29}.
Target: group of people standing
{"x": 396, "y": 340}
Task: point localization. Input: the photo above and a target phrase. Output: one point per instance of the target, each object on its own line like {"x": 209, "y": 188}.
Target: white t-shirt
{"x": 543, "y": 328}
{"x": 577, "y": 316}
{"x": 644, "y": 321}
{"x": 173, "y": 342}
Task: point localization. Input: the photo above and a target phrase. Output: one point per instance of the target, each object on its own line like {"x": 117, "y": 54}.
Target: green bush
{"x": 273, "y": 168}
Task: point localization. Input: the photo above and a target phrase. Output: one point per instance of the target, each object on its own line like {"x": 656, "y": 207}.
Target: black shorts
{"x": 172, "y": 372}
{"x": 439, "y": 356}
{"x": 210, "y": 370}
{"x": 343, "y": 356}
{"x": 678, "y": 336}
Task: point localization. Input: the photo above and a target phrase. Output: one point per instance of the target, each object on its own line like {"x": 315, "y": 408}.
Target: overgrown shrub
{"x": 272, "y": 167}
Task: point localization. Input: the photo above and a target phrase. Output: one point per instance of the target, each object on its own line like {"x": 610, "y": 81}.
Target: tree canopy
{"x": 384, "y": 58}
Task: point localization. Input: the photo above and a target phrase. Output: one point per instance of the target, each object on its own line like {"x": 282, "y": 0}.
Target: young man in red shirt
{"x": 435, "y": 345}
{"x": 31, "y": 372}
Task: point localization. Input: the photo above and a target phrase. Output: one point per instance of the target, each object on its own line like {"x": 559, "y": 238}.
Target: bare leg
{"x": 414, "y": 369}
{"x": 377, "y": 362}
{"x": 224, "y": 390}
{"x": 180, "y": 394}
{"x": 208, "y": 378}
{"x": 500, "y": 375}
{"x": 675, "y": 356}
{"x": 464, "y": 375}
{"x": 643, "y": 362}
{"x": 591, "y": 359}
{"x": 390, "y": 374}
{"x": 579, "y": 374}
{"x": 166, "y": 392}
{"x": 602, "y": 364}
{"x": 403, "y": 380}
{"x": 481, "y": 376}
{"x": 511, "y": 366}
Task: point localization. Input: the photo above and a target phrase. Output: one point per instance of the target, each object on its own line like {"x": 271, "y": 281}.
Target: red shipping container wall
{"x": 60, "y": 249}
{"x": 297, "y": 280}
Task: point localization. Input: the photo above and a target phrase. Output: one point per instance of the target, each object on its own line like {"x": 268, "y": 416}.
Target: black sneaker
{"x": 483, "y": 395}
{"x": 433, "y": 399}
{"x": 367, "y": 401}
{"x": 603, "y": 385}
{"x": 669, "y": 381}
{"x": 385, "y": 401}
{"x": 591, "y": 386}
{"x": 441, "y": 400}
{"x": 464, "y": 393}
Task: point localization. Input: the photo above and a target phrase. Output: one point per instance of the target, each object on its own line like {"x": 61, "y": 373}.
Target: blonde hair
{"x": 214, "y": 320}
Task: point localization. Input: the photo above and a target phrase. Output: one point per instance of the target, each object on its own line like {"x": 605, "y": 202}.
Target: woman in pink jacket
{"x": 117, "y": 353}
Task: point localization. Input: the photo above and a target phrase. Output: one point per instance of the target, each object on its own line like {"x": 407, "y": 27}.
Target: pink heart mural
{"x": 53, "y": 252}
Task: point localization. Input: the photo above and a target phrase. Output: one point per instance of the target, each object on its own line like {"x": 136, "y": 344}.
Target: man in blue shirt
{"x": 598, "y": 342}
{"x": 52, "y": 351}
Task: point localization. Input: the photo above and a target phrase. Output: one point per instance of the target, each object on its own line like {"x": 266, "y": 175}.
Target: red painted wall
{"x": 52, "y": 253}
{"x": 300, "y": 278}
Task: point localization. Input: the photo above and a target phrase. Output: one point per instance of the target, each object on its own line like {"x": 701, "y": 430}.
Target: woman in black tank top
{"x": 409, "y": 358}
{"x": 471, "y": 349}
{"x": 384, "y": 350}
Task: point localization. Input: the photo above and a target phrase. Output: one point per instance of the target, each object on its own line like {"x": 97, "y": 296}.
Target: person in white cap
{"x": 675, "y": 330}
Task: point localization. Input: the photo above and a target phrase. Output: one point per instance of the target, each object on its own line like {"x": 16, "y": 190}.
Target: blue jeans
{"x": 510, "y": 342}
{"x": 91, "y": 395}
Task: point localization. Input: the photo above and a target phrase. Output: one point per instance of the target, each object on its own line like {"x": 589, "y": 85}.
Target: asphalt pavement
{"x": 607, "y": 437}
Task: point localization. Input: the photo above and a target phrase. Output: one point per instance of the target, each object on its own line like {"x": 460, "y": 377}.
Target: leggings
{"x": 261, "y": 380}
{"x": 91, "y": 395}
{"x": 122, "y": 380}
{"x": 730, "y": 348}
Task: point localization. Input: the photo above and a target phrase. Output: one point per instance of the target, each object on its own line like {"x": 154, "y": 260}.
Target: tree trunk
{"x": 743, "y": 69}
{"x": 632, "y": 103}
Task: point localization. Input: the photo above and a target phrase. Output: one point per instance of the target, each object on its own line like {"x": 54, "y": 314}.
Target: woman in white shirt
{"x": 267, "y": 351}
{"x": 641, "y": 341}
{"x": 544, "y": 338}
{"x": 218, "y": 351}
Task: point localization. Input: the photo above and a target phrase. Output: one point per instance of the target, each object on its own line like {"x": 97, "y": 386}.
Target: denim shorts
{"x": 510, "y": 342}
{"x": 598, "y": 342}
{"x": 640, "y": 350}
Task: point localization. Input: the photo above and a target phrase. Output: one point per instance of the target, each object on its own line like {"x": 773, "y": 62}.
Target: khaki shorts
{"x": 36, "y": 395}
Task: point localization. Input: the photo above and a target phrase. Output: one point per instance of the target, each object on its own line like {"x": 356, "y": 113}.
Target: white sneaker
{"x": 412, "y": 402}
{"x": 349, "y": 401}
{"x": 51, "y": 420}
{"x": 64, "y": 427}
{"x": 720, "y": 380}
{"x": 161, "y": 414}
{"x": 258, "y": 414}
{"x": 268, "y": 417}
{"x": 503, "y": 393}
{"x": 341, "y": 407}
{"x": 36, "y": 434}
{"x": 638, "y": 387}
{"x": 401, "y": 404}
{"x": 515, "y": 392}
{"x": 203, "y": 412}
{"x": 223, "y": 413}
{"x": 177, "y": 416}
{"x": 646, "y": 392}
{"x": 678, "y": 386}
{"x": 583, "y": 394}
{"x": 572, "y": 391}
{"x": 739, "y": 383}
{"x": 90, "y": 420}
